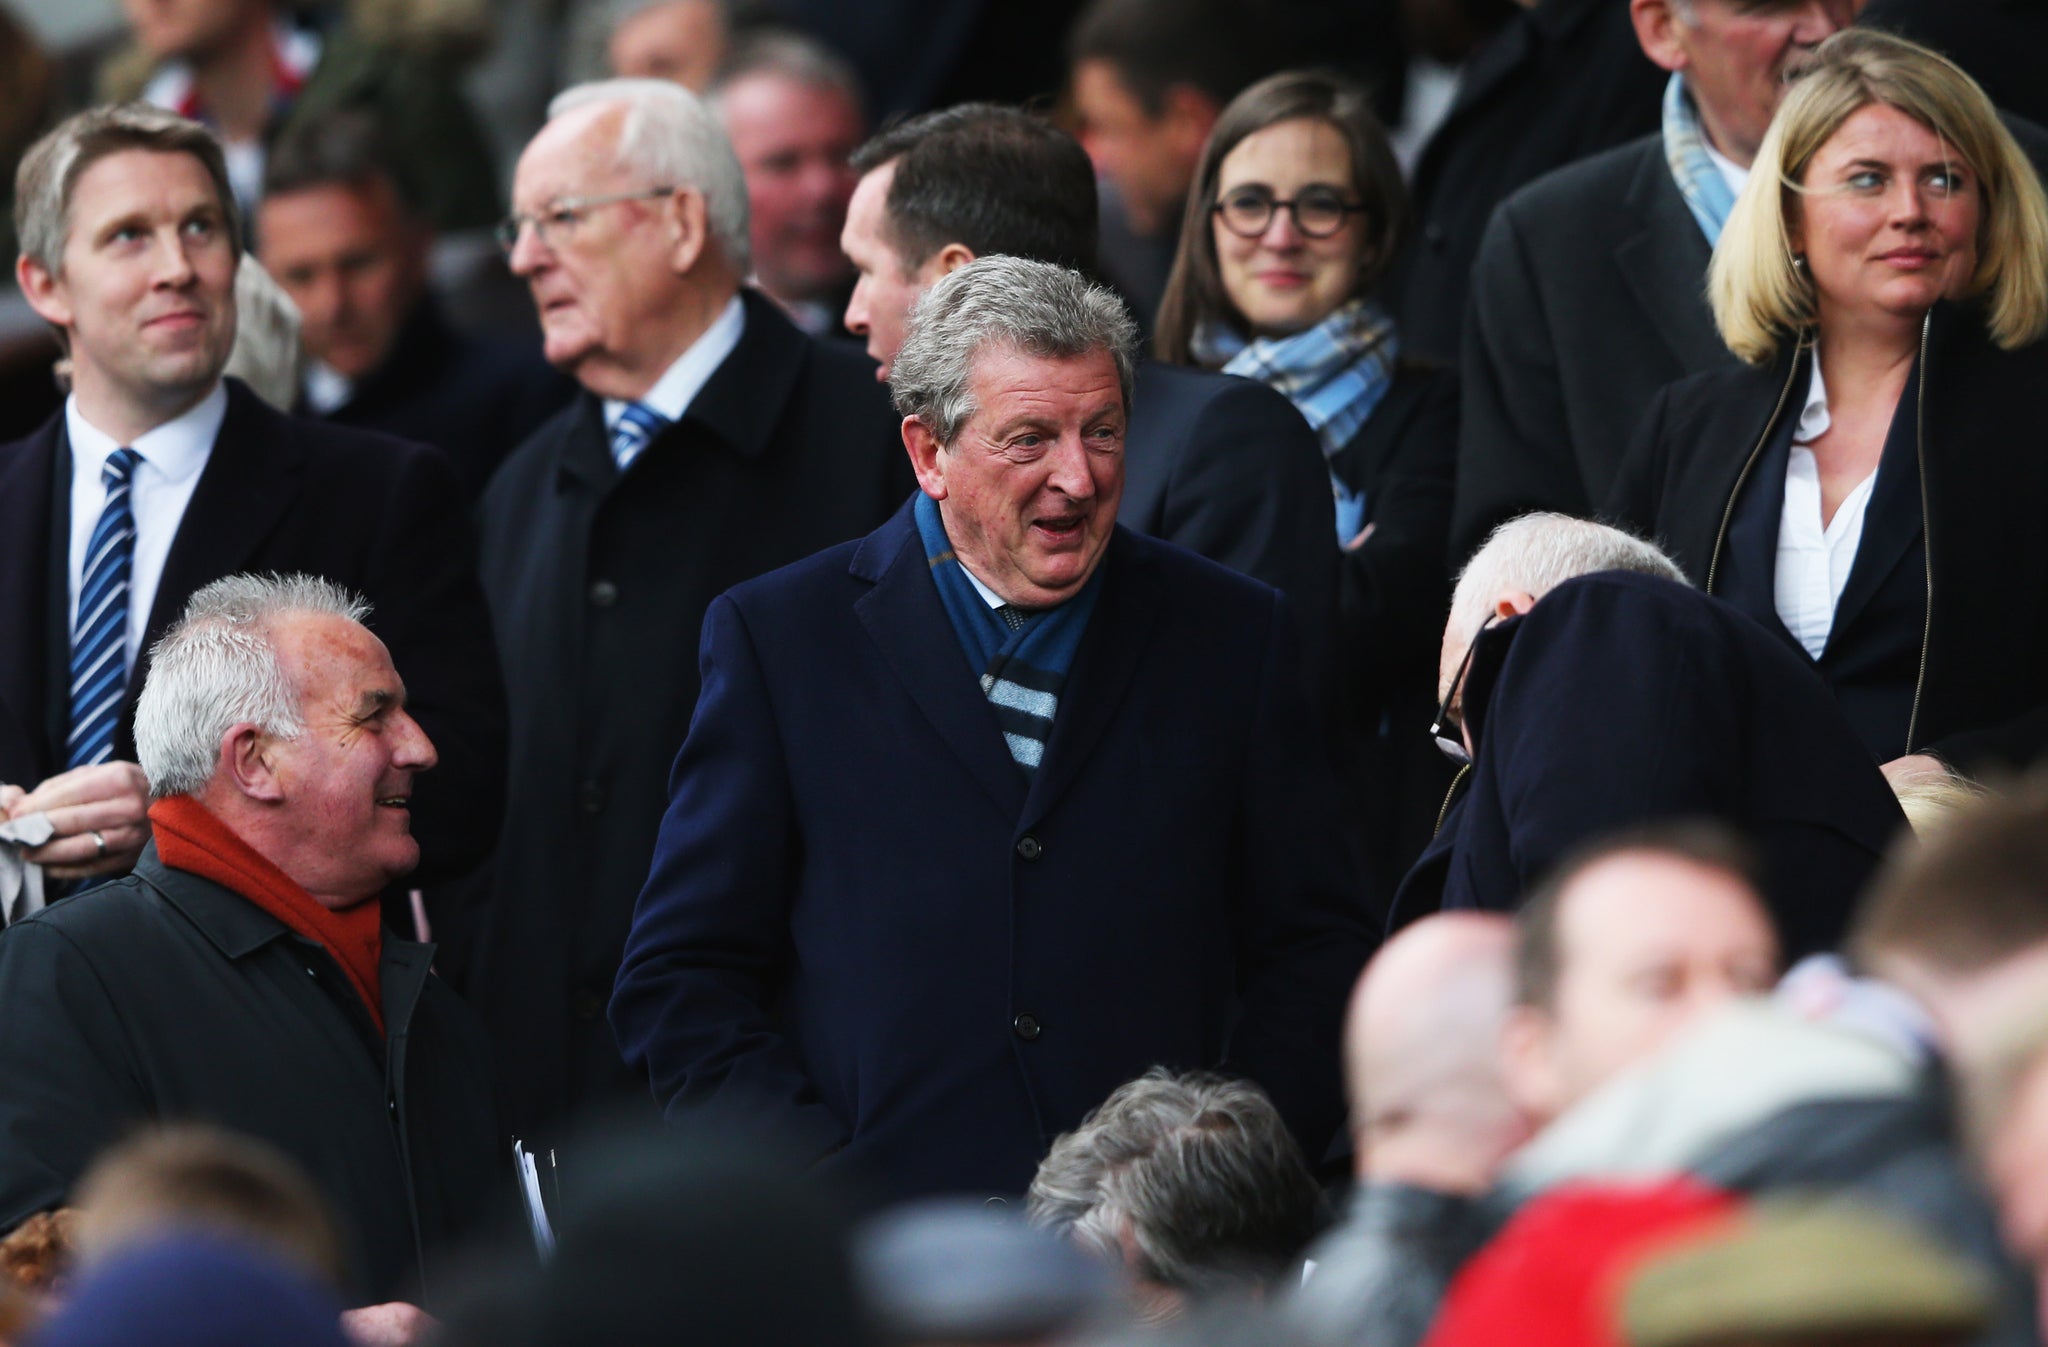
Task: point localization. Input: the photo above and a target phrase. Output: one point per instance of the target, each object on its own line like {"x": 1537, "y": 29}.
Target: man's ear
{"x": 1528, "y": 1072}
{"x": 1658, "y": 32}
{"x": 44, "y": 293}
{"x": 689, "y": 222}
{"x": 245, "y": 763}
{"x": 1513, "y": 603}
{"x": 947, "y": 260}
{"x": 927, "y": 457}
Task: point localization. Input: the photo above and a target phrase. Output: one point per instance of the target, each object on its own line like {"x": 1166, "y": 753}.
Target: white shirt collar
{"x": 177, "y": 449}
{"x": 1813, "y": 416}
{"x": 1732, "y": 173}
{"x": 682, "y": 381}
{"x": 988, "y": 596}
{"x": 327, "y": 389}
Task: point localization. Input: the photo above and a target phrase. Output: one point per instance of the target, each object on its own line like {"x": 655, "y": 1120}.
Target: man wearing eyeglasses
{"x": 1587, "y": 688}
{"x": 711, "y": 441}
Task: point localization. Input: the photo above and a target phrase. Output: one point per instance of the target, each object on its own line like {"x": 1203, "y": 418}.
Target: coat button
{"x": 1029, "y": 848}
{"x": 1026, "y": 1026}
{"x": 586, "y": 1004}
{"x": 604, "y": 593}
{"x": 591, "y": 797}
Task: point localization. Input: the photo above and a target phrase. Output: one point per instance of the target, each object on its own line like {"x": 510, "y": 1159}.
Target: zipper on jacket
{"x": 1926, "y": 537}
{"x": 1449, "y": 796}
{"x": 1728, "y": 513}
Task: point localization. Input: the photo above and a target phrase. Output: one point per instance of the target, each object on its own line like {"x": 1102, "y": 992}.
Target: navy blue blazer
{"x": 1621, "y": 699}
{"x": 862, "y": 914}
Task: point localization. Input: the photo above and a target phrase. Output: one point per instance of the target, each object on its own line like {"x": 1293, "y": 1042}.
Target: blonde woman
{"x": 1872, "y": 483}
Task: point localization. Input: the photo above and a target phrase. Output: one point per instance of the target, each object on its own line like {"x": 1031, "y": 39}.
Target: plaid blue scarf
{"x": 1706, "y": 192}
{"x": 1021, "y": 657}
{"x": 1334, "y": 373}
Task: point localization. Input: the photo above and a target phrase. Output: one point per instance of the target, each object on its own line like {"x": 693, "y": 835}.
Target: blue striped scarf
{"x": 1334, "y": 373}
{"x": 1022, "y": 670}
{"x": 1700, "y": 182}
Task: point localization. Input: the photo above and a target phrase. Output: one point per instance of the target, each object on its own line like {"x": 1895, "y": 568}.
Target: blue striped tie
{"x": 99, "y": 638}
{"x": 638, "y": 424}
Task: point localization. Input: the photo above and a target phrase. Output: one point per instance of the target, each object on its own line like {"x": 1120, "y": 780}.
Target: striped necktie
{"x": 638, "y": 424}
{"x": 99, "y": 638}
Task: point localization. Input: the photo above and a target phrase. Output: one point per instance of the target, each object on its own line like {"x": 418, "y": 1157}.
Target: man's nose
{"x": 1070, "y": 474}
{"x": 414, "y": 750}
{"x": 174, "y": 260}
{"x": 528, "y": 252}
{"x": 856, "y": 318}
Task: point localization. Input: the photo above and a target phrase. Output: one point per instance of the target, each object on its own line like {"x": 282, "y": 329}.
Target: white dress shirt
{"x": 1814, "y": 561}
{"x": 682, "y": 381}
{"x": 173, "y": 455}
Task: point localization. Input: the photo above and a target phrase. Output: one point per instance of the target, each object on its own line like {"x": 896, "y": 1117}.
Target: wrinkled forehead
{"x": 575, "y": 154}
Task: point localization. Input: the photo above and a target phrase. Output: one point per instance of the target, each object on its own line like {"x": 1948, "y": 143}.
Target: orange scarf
{"x": 190, "y": 838}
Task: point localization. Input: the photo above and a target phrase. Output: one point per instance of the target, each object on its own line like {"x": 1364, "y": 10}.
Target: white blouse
{"x": 1814, "y": 562}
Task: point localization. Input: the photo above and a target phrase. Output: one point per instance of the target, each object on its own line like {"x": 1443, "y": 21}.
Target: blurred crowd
{"x": 1498, "y": 790}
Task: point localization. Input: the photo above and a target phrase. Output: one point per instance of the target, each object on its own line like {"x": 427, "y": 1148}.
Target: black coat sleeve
{"x": 428, "y": 609}
{"x": 72, "y": 1082}
{"x": 1251, "y": 490}
{"x": 1514, "y": 443}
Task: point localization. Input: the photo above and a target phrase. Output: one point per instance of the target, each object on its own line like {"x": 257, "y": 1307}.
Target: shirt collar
{"x": 1732, "y": 173}
{"x": 680, "y": 383}
{"x": 988, "y": 596}
{"x": 1813, "y": 416}
{"x": 177, "y": 449}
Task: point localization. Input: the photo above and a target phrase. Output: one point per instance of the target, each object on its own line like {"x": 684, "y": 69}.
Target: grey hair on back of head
{"x": 1538, "y": 552}
{"x": 1006, "y": 303}
{"x": 218, "y": 667}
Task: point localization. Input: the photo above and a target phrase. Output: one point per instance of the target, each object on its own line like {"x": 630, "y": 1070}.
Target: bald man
{"x": 1431, "y": 1122}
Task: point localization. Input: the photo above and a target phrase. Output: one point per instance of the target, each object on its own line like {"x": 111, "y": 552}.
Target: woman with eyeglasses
{"x": 1296, "y": 212}
{"x": 1871, "y": 484}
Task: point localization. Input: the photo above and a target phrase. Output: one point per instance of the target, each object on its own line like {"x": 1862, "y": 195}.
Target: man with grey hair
{"x": 711, "y": 442}
{"x": 992, "y": 810}
{"x": 241, "y": 974}
{"x": 793, "y": 109}
{"x": 1190, "y": 1183}
{"x": 160, "y": 475}
{"x": 1587, "y": 688}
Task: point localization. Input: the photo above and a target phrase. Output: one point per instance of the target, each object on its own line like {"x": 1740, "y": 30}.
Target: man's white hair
{"x": 1538, "y": 552}
{"x": 218, "y": 667}
{"x": 670, "y": 137}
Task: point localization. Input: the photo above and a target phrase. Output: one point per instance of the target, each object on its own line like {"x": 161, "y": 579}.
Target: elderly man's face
{"x": 1647, "y": 944}
{"x": 605, "y": 280}
{"x": 1029, "y": 487}
{"x": 347, "y": 778}
{"x": 146, "y": 285}
{"x": 1735, "y": 55}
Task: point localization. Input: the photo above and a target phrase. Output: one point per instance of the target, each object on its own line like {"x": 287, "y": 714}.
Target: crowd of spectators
{"x": 1498, "y": 789}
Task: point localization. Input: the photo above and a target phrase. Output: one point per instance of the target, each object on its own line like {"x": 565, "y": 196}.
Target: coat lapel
{"x": 26, "y": 489}
{"x": 904, "y": 617}
{"x": 1893, "y": 519}
{"x": 1119, "y": 630}
{"x": 1666, "y": 258}
{"x": 250, "y": 480}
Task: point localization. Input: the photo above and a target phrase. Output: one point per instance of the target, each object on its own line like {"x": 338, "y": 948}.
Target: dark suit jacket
{"x": 1622, "y": 699}
{"x": 163, "y": 997}
{"x": 598, "y": 582}
{"x": 1985, "y": 628}
{"x": 1589, "y": 295}
{"x": 864, "y": 918}
{"x": 1553, "y": 84}
{"x": 472, "y": 398}
{"x": 278, "y": 493}
{"x": 1228, "y": 468}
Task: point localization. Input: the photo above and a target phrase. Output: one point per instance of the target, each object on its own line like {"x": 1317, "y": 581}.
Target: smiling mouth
{"x": 1061, "y": 529}
{"x": 395, "y": 802}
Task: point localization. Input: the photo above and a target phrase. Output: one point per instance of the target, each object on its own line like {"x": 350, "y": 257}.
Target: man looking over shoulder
{"x": 1000, "y": 806}
{"x": 159, "y": 476}
{"x": 1222, "y": 466}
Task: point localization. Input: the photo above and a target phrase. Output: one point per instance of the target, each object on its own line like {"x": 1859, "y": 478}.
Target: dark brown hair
{"x": 1539, "y": 961}
{"x": 1194, "y": 292}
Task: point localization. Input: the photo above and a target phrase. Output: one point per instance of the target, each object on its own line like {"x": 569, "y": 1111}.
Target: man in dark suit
{"x": 1222, "y": 466}
{"x": 337, "y": 233}
{"x": 991, "y": 811}
{"x": 1589, "y": 293}
{"x": 1590, "y": 689}
{"x": 1560, "y": 80}
{"x": 712, "y": 441}
{"x": 158, "y": 477}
